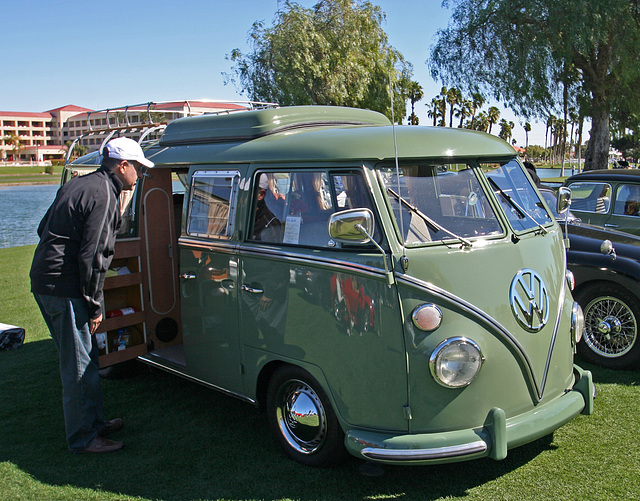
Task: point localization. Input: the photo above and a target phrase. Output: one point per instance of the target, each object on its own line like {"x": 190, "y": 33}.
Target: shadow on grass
{"x": 184, "y": 441}
{"x": 611, "y": 376}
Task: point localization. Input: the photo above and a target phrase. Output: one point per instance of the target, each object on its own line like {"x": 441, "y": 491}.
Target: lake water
{"x": 21, "y": 209}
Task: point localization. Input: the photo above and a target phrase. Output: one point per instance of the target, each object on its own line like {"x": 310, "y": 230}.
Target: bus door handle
{"x": 252, "y": 288}
{"x": 188, "y": 276}
{"x": 609, "y": 225}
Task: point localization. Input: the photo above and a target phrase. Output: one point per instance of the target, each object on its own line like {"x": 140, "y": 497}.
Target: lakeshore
{"x": 18, "y": 175}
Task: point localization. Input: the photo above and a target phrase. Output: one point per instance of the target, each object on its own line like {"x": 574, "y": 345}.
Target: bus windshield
{"x": 518, "y": 199}
{"x": 434, "y": 202}
{"x": 438, "y": 202}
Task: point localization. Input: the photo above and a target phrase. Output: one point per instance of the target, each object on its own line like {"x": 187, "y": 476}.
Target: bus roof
{"x": 311, "y": 133}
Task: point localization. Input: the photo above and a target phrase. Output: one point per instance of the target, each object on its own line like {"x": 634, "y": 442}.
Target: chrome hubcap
{"x": 301, "y": 416}
{"x": 611, "y": 328}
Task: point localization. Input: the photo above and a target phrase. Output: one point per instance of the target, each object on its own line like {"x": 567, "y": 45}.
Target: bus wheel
{"x": 302, "y": 420}
{"x": 611, "y": 327}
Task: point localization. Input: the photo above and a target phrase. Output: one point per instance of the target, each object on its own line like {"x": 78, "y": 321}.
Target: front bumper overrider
{"x": 493, "y": 439}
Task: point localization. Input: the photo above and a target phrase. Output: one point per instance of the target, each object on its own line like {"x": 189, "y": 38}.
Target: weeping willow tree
{"x": 545, "y": 56}
{"x": 335, "y": 53}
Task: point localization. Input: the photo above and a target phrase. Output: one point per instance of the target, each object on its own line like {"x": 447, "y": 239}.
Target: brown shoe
{"x": 100, "y": 445}
{"x": 112, "y": 426}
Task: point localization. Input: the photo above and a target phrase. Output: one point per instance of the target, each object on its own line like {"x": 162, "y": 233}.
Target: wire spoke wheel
{"x": 611, "y": 327}
{"x": 610, "y": 338}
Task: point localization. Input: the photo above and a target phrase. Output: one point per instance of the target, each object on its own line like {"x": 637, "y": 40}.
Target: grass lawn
{"x": 186, "y": 442}
{"x": 28, "y": 175}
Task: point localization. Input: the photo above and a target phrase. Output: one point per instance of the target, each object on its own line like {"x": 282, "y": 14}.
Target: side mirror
{"x": 564, "y": 199}
{"x": 353, "y": 226}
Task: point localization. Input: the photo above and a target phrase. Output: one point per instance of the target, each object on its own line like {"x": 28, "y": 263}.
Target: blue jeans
{"x": 68, "y": 322}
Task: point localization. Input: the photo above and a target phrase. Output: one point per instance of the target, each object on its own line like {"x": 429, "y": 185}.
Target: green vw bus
{"x": 397, "y": 293}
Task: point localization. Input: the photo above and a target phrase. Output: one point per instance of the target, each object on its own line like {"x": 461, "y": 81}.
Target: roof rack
{"x": 123, "y": 118}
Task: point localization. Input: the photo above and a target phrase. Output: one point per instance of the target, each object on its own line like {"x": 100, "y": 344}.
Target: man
{"x": 77, "y": 239}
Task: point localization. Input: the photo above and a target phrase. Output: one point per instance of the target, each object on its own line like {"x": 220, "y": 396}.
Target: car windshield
{"x": 438, "y": 202}
{"x": 434, "y": 202}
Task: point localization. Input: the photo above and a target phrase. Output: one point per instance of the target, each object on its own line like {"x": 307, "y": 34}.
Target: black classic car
{"x": 606, "y": 268}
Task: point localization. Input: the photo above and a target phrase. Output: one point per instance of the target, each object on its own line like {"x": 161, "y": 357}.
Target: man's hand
{"x": 93, "y": 324}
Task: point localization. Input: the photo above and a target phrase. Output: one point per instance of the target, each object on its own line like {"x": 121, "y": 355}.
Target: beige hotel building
{"x": 40, "y": 138}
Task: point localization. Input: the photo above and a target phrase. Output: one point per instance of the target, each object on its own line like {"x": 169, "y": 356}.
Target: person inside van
{"x": 323, "y": 197}
{"x": 267, "y": 226}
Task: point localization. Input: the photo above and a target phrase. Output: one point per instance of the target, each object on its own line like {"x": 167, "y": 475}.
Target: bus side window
{"x": 212, "y": 204}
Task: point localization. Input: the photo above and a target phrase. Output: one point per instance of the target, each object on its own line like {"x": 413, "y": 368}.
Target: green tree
{"x": 545, "y": 54}
{"x": 335, "y": 53}
{"x": 534, "y": 151}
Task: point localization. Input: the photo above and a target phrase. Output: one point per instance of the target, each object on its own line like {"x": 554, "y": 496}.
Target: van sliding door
{"x": 209, "y": 277}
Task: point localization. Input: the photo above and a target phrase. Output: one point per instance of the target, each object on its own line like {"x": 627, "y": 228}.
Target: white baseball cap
{"x": 123, "y": 148}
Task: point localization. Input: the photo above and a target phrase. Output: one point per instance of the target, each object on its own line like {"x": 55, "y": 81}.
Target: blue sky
{"x": 100, "y": 54}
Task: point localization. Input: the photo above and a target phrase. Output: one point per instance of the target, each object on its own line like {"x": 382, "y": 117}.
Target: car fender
{"x": 589, "y": 267}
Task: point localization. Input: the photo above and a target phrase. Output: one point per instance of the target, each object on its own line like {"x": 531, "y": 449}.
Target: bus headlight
{"x": 456, "y": 362}
{"x": 577, "y": 323}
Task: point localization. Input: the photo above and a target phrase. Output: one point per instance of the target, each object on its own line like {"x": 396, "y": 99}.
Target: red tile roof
{"x": 23, "y": 114}
{"x": 70, "y": 107}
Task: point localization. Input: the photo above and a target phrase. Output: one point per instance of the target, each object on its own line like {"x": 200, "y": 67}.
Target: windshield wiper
{"x": 521, "y": 212}
{"x": 430, "y": 222}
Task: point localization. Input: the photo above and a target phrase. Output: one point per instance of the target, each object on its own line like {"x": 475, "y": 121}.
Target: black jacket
{"x": 77, "y": 238}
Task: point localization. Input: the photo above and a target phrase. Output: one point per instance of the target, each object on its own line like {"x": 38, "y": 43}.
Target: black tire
{"x": 611, "y": 317}
{"x": 302, "y": 419}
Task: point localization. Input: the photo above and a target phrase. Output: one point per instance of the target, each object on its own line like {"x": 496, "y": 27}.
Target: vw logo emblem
{"x": 529, "y": 300}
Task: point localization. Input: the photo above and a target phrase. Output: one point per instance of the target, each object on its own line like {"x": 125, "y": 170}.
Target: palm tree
{"x": 550, "y": 122}
{"x": 78, "y": 150}
{"x": 435, "y": 109}
{"x": 482, "y": 122}
{"x": 573, "y": 117}
{"x": 16, "y": 146}
{"x": 453, "y": 97}
{"x": 477, "y": 101}
{"x": 559, "y": 136}
{"x": 506, "y": 129}
{"x": 493, "y": 114}
{"x": 442, "y": 100}
{"x": 464, "y": 111}
{"x": 527, "y": 129}
{"x": 415, "y": 94}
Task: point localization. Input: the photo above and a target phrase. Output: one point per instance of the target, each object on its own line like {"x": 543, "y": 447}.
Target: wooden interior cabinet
{"x": 151, "y": 286}
{"x": 124, "y": 291}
